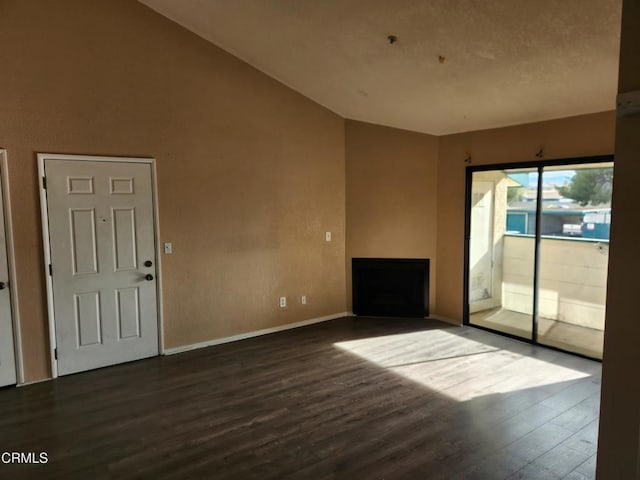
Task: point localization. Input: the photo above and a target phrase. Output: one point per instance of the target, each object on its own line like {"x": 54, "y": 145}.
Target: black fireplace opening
{"x": 395, "y": 287}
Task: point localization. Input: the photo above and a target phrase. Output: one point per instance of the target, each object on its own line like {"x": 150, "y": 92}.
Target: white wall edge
{"x": 255, "y": 333}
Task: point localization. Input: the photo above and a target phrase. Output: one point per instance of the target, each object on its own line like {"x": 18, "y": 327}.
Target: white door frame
{"x": 47, "y": 247}
{"x": 13, "y": 276}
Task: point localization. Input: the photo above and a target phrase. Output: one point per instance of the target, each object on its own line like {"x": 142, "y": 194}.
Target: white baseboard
{"x": 255, "y": 333}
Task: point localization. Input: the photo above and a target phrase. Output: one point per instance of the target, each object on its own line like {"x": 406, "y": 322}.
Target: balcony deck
{"x": 567, "y": 336}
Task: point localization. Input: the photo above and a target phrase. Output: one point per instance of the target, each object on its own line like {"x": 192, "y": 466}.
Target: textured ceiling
{"x": 506, "y": 61}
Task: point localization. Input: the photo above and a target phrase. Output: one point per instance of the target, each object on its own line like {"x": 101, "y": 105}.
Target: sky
{"x": 556, "y": 177}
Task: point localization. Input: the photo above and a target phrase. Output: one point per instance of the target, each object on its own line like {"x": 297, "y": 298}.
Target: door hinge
{"x": 50, "y": 270}
{"x": 44, "y": 182}
{"x": 55, "y": 353}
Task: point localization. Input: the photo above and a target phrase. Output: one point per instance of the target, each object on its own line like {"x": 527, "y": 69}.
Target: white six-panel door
{"x": 7, "y": 355}
{"x": 103, "y": 263}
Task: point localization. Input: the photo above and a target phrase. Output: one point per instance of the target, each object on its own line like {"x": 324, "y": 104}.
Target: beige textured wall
{"x": 251, "y": 174}
{"x": 581, "y": 136}
{"x": 619, "y": 442}
{"x": 391, "y": 196}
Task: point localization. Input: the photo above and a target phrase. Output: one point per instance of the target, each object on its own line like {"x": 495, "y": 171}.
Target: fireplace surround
{"x": 396, "y": 287}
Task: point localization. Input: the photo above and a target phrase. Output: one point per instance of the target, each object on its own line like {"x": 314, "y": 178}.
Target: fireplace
{"x": 396, "y": 287}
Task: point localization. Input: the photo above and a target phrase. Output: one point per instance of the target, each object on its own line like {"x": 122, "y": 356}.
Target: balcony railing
{"x": 572, "y": 292}
{"x": 572, "y": 278}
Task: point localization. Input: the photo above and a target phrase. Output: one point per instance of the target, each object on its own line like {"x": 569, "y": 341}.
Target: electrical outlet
{"x": 327, "y": 236}
{"x": 303, "y": 299}
{"x": 168, "y": 248}
{"x": 283, "y": 302}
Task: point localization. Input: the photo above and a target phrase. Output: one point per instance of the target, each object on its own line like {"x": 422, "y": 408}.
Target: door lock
{"x": 148, "y": 263}
{"x": 2, "y": 286}
{"x": 148, "y": 277}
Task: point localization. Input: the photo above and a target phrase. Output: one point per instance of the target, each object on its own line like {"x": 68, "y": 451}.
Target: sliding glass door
{"x": 537, "y": 252}
{"x": 574, "y": 255}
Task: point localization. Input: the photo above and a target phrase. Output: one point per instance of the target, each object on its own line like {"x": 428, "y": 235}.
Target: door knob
{"x": 148, "y": 263}
{"x": 2, "y": 286}
{"x": 148, "y": 277}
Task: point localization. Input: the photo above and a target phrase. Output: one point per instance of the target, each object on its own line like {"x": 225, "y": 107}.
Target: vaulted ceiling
{"x": 455, "y": 65}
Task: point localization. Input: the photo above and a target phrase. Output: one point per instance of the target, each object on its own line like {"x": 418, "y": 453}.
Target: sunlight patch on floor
{"x": 457, "y": 366}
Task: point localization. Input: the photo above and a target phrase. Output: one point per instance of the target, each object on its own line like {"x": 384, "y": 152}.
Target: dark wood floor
{"x": 353, "y": 398}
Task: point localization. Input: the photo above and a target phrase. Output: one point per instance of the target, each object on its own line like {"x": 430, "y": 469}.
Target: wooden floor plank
{"x": 350, "y": 398}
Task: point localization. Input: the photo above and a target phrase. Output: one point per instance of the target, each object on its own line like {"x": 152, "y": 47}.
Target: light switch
{"x": 168, "y": 248}
{"x": 327, "y": 236}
